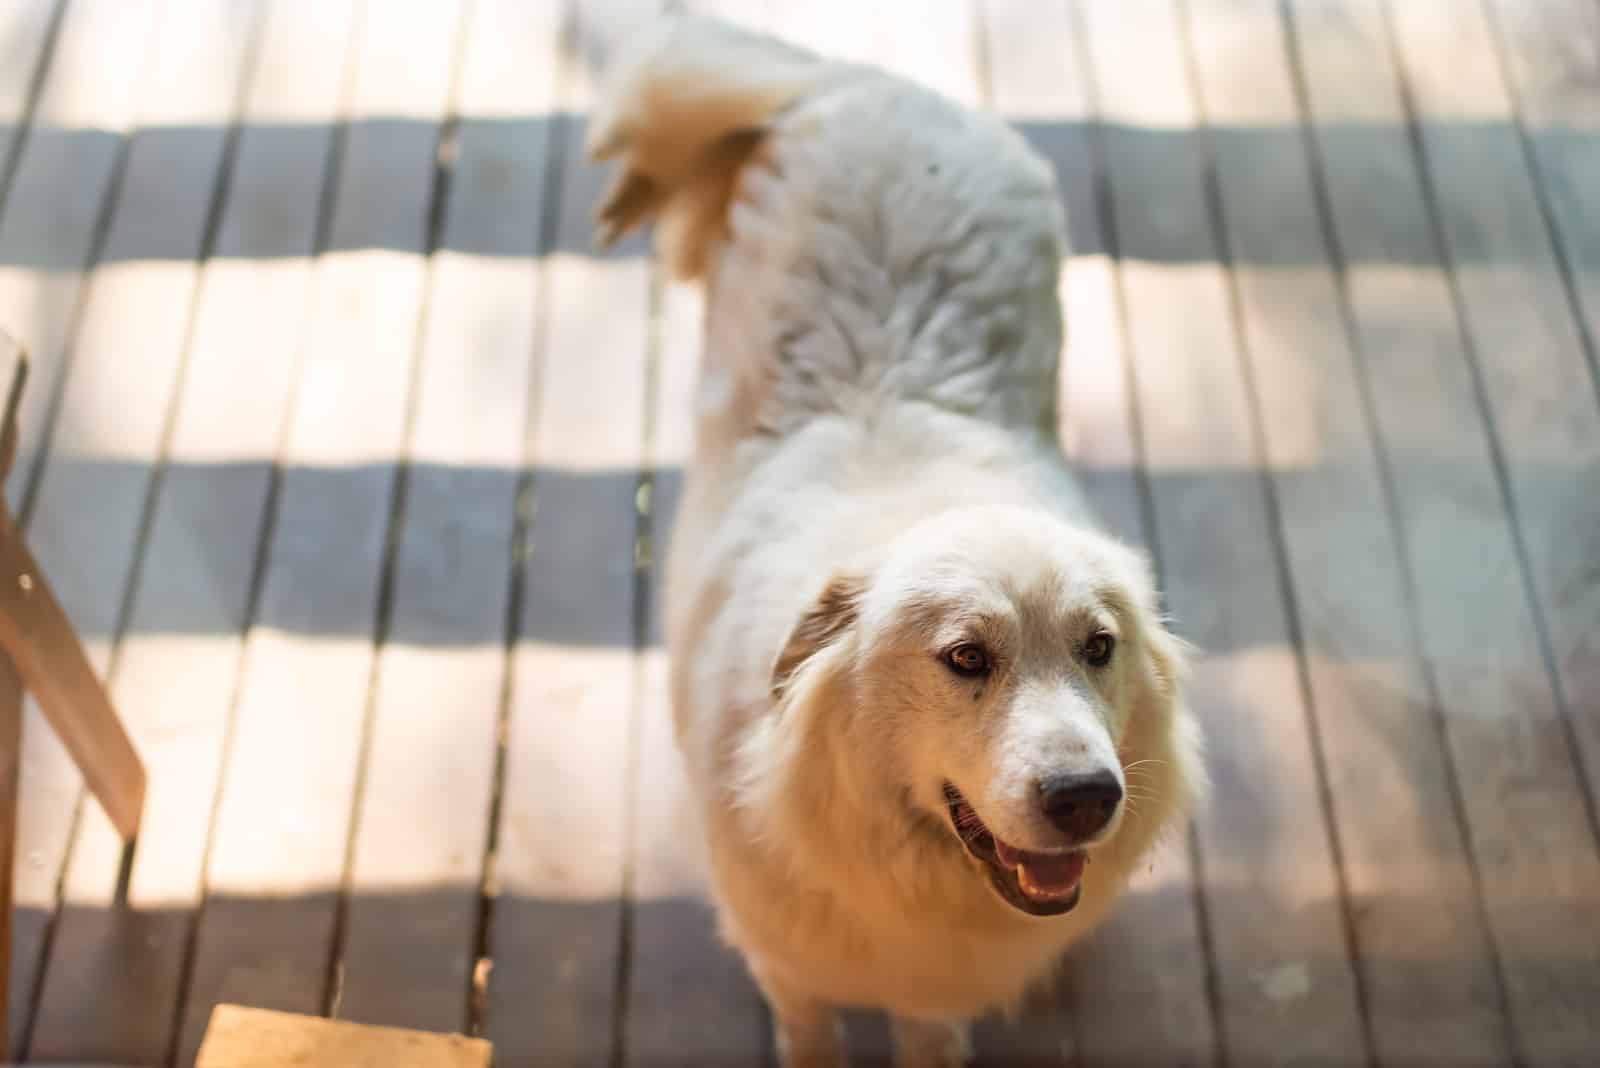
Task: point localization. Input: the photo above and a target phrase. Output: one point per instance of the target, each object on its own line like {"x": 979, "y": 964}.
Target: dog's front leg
{"x": 807, "y": 1032}
{"x": 922, "y": 1044}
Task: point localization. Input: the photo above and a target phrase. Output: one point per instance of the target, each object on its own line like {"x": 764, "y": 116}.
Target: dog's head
{"x": 1007, "y": 675}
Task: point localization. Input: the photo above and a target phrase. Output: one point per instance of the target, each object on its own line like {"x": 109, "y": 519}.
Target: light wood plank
{"x": 254, "y": 1038}
{"x": 68, "y": 164}
{"x": 178, "y": 666}
{"x": 559, "y": 869}
{"x": 1135, "y": 992}
{"x": 1528, "y": 359}
{"x": 1551, "y": 52}
{"x": 278, "y": 858}
{"x": 411, "y": 932}
{"x": 24, "y": 32}
{"x": 1430, "y": 987}
{"x": 1528, "y": 829}
{"x": 1552, "y": 57}
{"x": 1272, "y": 894}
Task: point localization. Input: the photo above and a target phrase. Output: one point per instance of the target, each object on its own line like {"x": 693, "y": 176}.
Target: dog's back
{"x": 865, "y": 241}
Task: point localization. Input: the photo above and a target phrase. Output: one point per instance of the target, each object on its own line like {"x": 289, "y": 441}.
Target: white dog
{"x": 930, "y": 712}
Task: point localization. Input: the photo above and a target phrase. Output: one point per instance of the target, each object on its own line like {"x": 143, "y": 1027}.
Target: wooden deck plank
{"x": 66, "y": 170}
{"x": 24, "y": 36}
{"x": 267, "y": 932}
{"x": 178, "y": 666}
{"x": 1552, "y": 64}
{"x": 1136, "y": 991}
{"x": 68, "y": 165}
{"x": 1552, "y": 59}
{"x": 1272, "y": 892}
{"x": 1527, "y": 357}
{"x": 412, "y": 926}
{"x": 1528, "y": 829}
{"x": 1537, "y": 361}
{"x": 1527, "y": 346}
{"x": 936, "y": 48}
{"x": 559, "y": 869}
{"x": 1423, "y": 951}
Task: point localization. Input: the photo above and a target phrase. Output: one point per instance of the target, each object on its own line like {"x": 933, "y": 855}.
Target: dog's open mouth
{"x": 1040, "y": 884}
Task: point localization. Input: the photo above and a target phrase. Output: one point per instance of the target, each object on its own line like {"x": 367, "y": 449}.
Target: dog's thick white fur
{"x": 884, "y": 583}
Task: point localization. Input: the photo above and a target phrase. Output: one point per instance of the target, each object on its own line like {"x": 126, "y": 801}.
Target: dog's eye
{"x": 968, "y": 659}
{"x": 1097, "y": 650}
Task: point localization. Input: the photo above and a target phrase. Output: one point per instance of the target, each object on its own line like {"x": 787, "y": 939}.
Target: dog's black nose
{"x": 1080, "y": 803}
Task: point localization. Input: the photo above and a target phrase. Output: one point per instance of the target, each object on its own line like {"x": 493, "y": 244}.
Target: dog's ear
{"x": 833, "y": 612}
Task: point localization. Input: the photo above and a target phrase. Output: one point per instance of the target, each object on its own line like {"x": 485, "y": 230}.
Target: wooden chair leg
{"x": 51, "y": 661}
{"x": 10, "y": 772}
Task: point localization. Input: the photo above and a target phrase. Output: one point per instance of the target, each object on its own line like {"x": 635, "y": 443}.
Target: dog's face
{"x": 996, "y": 659}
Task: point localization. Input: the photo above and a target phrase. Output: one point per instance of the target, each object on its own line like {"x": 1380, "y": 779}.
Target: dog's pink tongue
{"x": 1044, "y": 875}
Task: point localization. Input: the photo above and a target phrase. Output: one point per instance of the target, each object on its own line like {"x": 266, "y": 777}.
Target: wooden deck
{"x": 352, "y": 460}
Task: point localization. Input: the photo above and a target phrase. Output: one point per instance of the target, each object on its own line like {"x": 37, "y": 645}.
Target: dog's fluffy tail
{"x": 684, "y": 105}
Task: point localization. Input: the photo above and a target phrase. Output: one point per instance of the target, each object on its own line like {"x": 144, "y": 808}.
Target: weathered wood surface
{"x": 240, "y": 1037}
{"x": 356, "y": 463}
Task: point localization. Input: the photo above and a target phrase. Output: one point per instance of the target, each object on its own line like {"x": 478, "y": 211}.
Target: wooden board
{"x": 1534, "y": 364}
{"x": 1135, "y": 992}
{"x": 1272, "y": 890}
{"x": 1529, "y": 832}
{"x": 411, "y": 933}
{"x": 1553, "y": 69}
{"x": 255, "y": 1038}
{"x": 1430, "y": 989}
{"x": 1528, "y": 362}
{"x": 54, "y": 208}
{"x": 278, "y": 860}
{"x": 25, "y": 27}
{"x": 177, "y": 669}
{"x": 559, "y": 872}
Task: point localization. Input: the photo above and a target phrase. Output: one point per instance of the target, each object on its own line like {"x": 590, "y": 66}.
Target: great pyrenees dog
{"x": 930, "y": 712}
